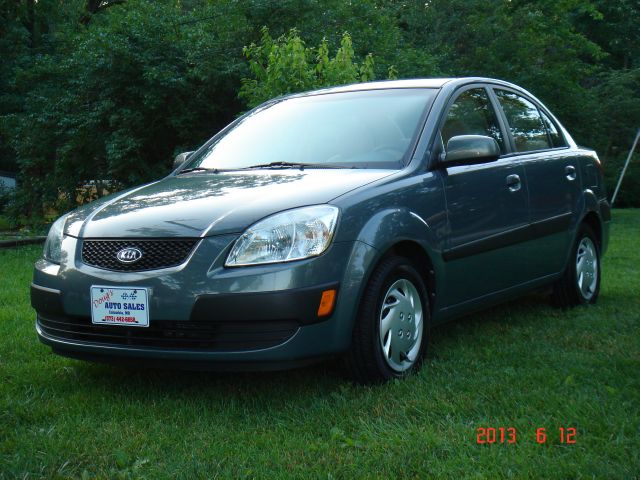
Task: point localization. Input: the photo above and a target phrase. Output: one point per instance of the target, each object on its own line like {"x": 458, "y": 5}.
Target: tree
{"x": 286, "y": 65}
{"x": 614, "y": 109}
{"x": 118, "y": 98}
{"x": 112, "y": 89}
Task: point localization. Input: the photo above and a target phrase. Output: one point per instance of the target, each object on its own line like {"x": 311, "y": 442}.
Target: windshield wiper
{"x": 197, "y": 169}
{"x": 299, "y": 165}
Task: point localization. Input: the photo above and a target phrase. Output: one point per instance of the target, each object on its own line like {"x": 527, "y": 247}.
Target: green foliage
{"x": 5, "y": 224}
{"x": 111, "y": 90}
{"x": 287, "y": 65}
{"x": 117, "y": 100}
{"x": 617, "y": 113}
{"x": 580, "y": 57}
{"x": 371, "y": 23}
{"x": 533, "y": 44}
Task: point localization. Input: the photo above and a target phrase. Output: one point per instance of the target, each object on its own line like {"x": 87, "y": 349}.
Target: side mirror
{"x": 470, "y": 150}
{"x": 180, "y": 159}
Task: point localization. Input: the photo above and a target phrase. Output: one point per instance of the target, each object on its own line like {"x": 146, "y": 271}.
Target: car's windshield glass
{"x": 364, "y": 129}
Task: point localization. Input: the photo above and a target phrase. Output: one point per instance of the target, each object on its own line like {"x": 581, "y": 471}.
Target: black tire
{"x": 570, "y": 290}
{"x": 366, "y": 361}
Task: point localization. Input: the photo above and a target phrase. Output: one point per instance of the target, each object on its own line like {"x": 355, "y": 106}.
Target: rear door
{"x": 552, "y": 172}
{"x": 487, "y": 206}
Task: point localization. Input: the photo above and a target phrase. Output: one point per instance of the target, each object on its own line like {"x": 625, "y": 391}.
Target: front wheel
{"x": 580, "y": 283}
{"x": 390, "y": 335}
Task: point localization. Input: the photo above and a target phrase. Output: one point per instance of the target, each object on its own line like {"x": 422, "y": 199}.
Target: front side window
{"x": 472, "y": 114}
{"x": 363, "y": 129}
{"x": 525, "y": 123}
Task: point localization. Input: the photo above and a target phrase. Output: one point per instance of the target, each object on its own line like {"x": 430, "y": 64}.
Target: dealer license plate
{"x": 127, "y": 306}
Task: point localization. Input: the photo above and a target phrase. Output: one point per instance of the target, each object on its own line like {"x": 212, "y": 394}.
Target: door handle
{"x": 570, "y": 172}
{"x": 514, "y": 183}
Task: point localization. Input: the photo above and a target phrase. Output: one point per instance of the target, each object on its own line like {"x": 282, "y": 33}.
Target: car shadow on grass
{"x": 320, "y": 379}
{"x": 317, "y": 379}
{"x": 522, "y": 311}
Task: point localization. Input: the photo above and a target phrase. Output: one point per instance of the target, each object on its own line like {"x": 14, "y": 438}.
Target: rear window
{"x": 557, "y": 140}
{"x": 528, "y": 130}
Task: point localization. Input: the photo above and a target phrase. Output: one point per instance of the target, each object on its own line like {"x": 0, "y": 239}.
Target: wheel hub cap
{"x": 587, "y": 268}
{"x": 401, "y": 325}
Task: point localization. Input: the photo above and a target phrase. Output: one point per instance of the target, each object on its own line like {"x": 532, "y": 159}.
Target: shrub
{"x": 287, "y": 65}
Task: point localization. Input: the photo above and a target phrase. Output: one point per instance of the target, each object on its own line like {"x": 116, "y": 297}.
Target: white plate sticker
{"x": 126, "y": 306}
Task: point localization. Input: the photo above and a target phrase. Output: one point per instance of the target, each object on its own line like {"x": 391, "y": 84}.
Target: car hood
{"x": 204, "y": 204}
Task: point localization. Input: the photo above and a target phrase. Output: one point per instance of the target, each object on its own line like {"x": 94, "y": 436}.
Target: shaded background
{"x": 111, "y": 90}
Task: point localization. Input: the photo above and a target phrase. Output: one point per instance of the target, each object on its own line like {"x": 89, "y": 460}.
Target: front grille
{"x": 155, "y": 253}
{"x": 210, "y": 336}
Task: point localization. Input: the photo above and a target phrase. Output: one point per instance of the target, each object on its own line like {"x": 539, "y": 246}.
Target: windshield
{"x": 364, "y": 129}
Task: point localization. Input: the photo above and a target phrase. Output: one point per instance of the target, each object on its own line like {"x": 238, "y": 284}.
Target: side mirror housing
{"x": 470, "y": 150}
{"x": 180, "y": 159}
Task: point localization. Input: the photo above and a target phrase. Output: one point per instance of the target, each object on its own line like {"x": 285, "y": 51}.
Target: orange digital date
{"x": 509, "y": 435}
{"x": 490, "y": 435}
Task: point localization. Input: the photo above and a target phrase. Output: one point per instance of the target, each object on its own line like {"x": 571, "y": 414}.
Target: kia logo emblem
{"x": 129, "y": 255}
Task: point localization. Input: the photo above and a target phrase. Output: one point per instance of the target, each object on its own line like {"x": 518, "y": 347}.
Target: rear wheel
{"x": 580, "y": 283}
{"x": 391, "y": 331}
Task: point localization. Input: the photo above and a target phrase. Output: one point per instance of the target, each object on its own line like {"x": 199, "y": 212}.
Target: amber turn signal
{"x": 327, "y": 301}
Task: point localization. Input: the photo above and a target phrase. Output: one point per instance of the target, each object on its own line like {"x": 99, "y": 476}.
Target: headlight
{"x": 287, "y": 236}
{"x": 53, "y": 244}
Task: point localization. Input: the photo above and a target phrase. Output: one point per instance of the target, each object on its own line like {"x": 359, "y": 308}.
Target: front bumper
{"x": 203, "y": 315}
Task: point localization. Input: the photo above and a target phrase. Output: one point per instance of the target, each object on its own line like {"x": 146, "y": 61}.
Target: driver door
{"x": 487, "y": 207}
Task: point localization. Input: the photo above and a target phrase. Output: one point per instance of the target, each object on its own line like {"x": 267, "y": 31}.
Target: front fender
{"x": 389, "y": 226}
{"x": 383, "y": 231}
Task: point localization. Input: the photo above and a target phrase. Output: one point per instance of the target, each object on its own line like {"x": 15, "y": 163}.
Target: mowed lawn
{"x": 524, "y": 365}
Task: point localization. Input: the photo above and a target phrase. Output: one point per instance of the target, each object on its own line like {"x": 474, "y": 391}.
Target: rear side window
{"x": 554, "y": 135}
{"x": 525, "y": 122}
{"x": 472, "y": 114}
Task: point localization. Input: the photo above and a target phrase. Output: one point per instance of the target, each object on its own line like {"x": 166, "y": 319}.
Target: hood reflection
{"x": 188, "y": 205}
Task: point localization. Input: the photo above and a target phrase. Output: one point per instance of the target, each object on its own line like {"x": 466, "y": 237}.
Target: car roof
{"x": 410, "y": 83}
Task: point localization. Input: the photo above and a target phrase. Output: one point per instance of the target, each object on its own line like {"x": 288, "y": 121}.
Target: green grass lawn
{"x": 524, "y": 365}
